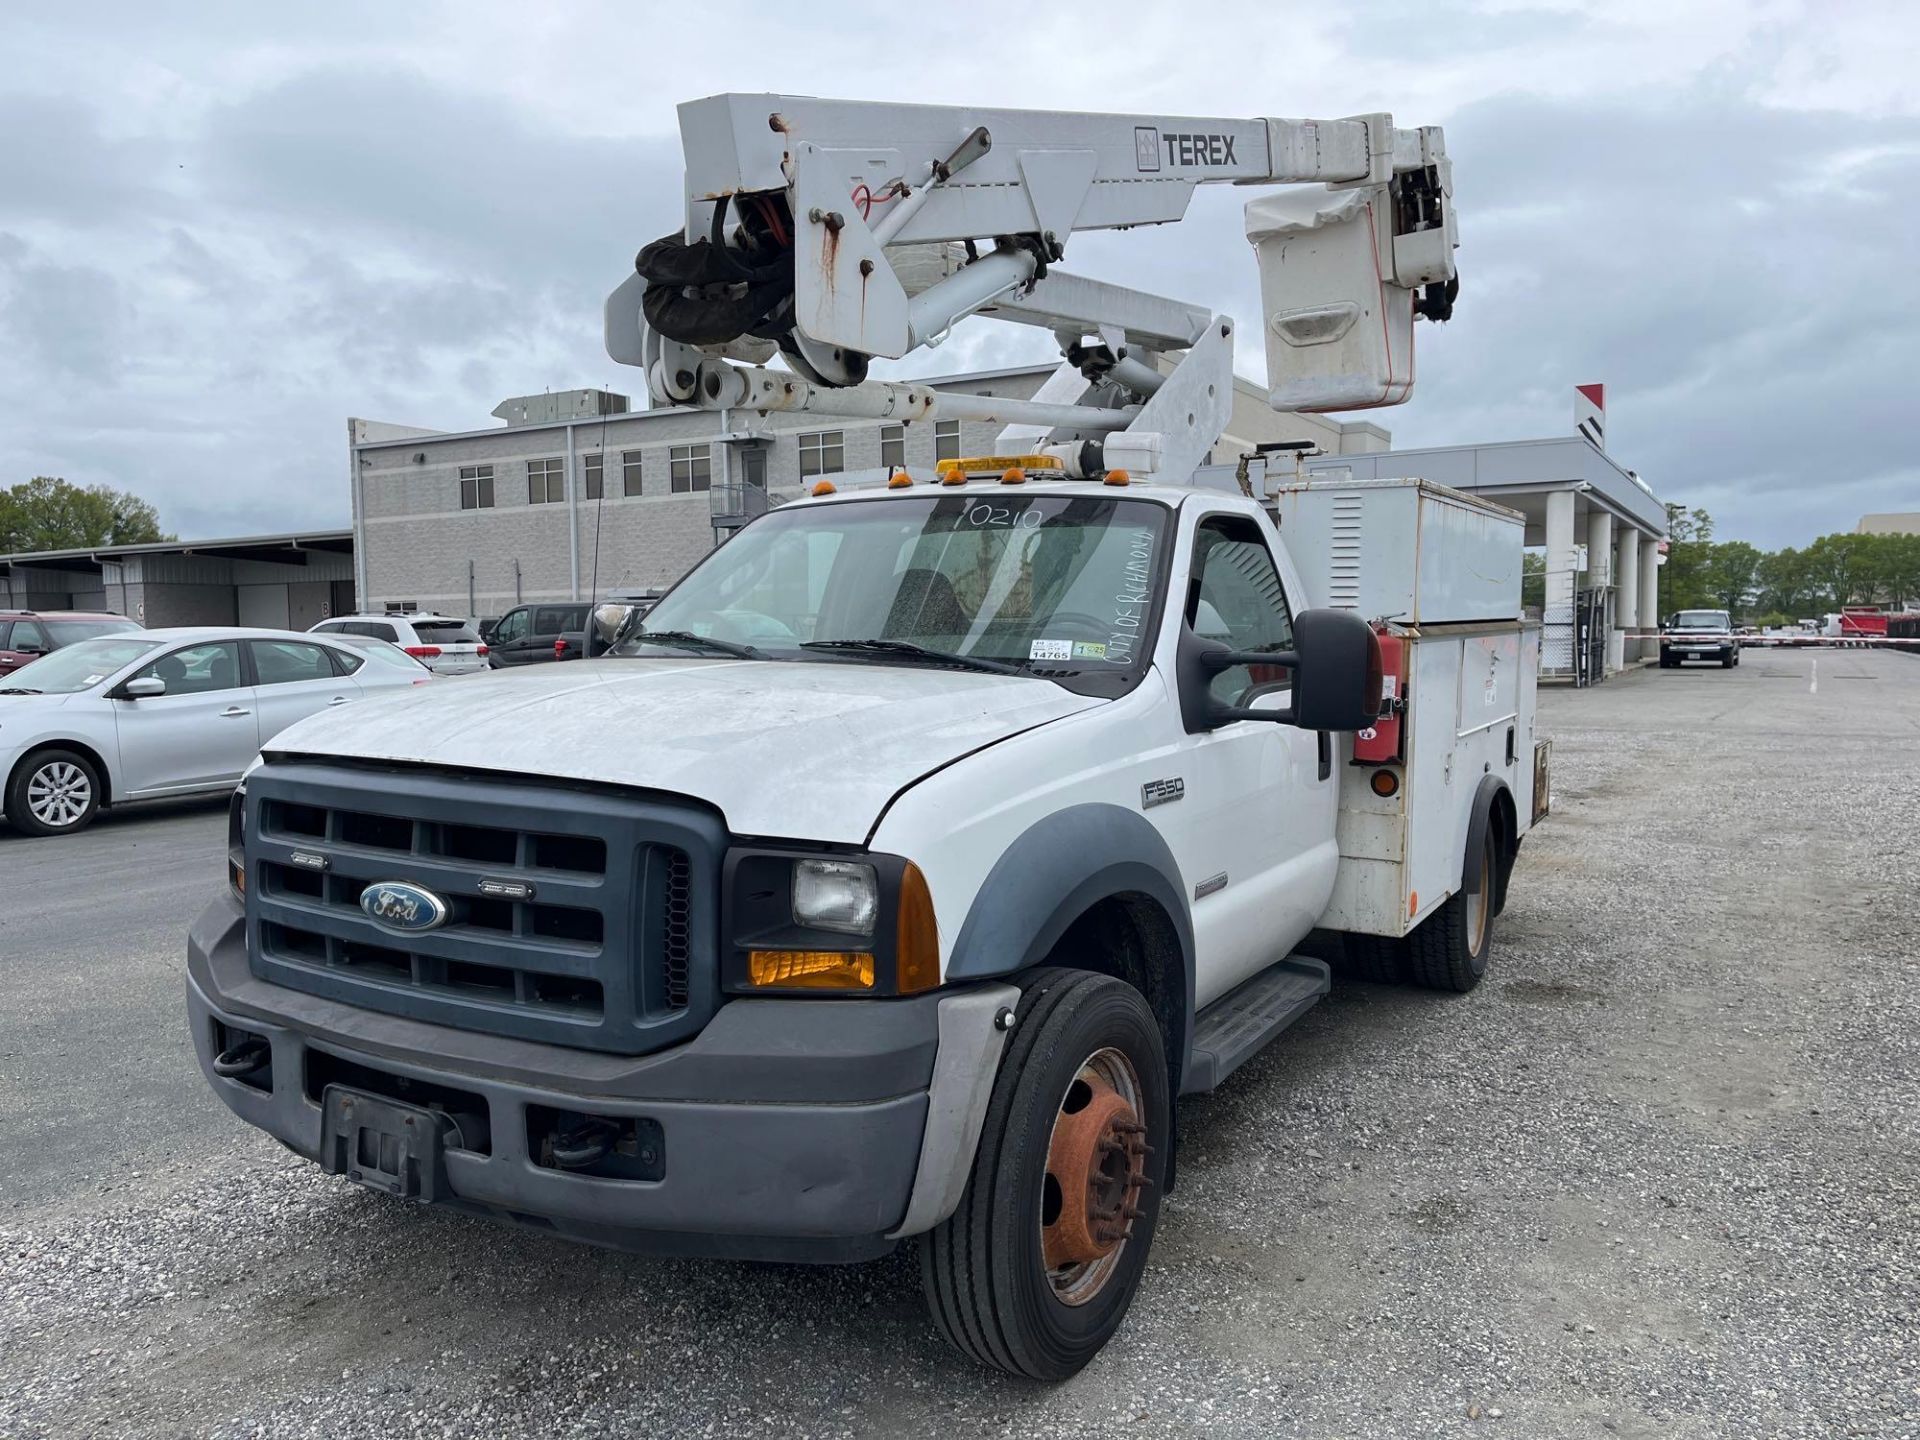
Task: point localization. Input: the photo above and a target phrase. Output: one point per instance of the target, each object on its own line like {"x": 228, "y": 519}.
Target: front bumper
{"x": 791, "y": 1129}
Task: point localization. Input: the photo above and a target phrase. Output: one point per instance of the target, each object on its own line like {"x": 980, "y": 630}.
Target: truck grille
{"x": 573, "y": 917}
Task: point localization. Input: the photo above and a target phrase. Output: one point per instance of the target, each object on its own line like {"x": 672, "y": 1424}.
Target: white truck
{"x": 892, "y": 876}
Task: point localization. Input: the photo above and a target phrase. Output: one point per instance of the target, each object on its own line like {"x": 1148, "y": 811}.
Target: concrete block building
{"x": 280, "y": 582}
{"x": 577, "y": 495}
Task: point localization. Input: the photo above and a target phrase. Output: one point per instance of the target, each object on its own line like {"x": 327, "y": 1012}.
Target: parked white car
{"x": 155, "y": 714}
{"x": 445, "y": 644}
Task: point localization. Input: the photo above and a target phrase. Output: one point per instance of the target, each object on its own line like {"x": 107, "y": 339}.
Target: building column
{"x": 1627, "y": 591}
{"x": 1600, "y": 571}
{"x": 1650, "y": 589}
{"x": 1556, "y": 613}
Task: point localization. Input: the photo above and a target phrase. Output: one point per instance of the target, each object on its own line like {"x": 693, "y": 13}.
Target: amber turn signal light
{"x": 917, "y": 961}
{"x": 810, "y": 970}
{"x": 1385, "y": 783}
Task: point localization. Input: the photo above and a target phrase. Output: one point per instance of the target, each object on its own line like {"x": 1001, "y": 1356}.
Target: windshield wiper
{"x": 690, "y": 641}
{"x": 19, "y": 690}
{"x": 908, "y": 650}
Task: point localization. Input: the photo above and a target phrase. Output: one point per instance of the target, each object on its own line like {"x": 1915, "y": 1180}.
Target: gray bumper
{"x": 793, "y": 1129}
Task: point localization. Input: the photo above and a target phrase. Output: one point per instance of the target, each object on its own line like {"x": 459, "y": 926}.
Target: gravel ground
{"x": 1658, "y": 1177}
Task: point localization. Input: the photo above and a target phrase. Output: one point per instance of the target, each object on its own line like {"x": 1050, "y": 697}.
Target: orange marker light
{"x": 1013, "y": 475}
{"x": 899, "y": 480}
{"x": 1385, "y": 783}
{"x": 955, "y": 476}
{"x": 1413, "y": 902}
{"x": 809, "y": 970}
{"x": 825, "y": 487}
{"x": 1117, "y": 477}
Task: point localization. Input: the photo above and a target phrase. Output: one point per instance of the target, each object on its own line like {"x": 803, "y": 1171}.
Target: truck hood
{"x": 794, "y": 749}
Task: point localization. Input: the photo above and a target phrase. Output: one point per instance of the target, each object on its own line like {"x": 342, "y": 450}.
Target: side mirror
{"x": 487, "y": 627}
{"x": 146, "y": 685}
{"x": 1336, "y": 668}
{"x": 608, "y": 624}
{"x": 30, "y": 649}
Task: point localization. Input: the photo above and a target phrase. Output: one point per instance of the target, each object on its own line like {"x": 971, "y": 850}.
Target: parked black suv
{"x": 1698, "y": 635}
{"x": 525, "y": 635}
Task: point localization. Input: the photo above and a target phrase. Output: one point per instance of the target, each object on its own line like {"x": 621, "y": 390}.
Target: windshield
{"x": 66, "y": 632}
{"x": 446, "y": 632}
{"x": 1703, "y": 620}
{"x": 79, "y": 667}
{"x": 1060, "y": 584}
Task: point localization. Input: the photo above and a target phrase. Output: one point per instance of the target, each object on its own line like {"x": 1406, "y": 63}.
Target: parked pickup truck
{"x": 892, "y": 880}
{"x": 1699, "y": 635}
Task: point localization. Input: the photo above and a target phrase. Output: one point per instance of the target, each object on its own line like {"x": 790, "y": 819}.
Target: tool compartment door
{"x": 1467, "y": 687}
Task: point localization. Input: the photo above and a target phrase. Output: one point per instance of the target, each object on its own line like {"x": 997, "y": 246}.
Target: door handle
{"x": 233, "y": 712}
{"x": 341, "y": 700}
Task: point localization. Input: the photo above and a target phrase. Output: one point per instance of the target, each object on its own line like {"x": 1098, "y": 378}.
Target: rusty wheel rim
{"x": 1480, "y": 902}
{"x": 1096, "y": 1171}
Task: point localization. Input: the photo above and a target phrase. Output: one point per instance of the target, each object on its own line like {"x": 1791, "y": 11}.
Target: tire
{"x": 1666, "y": 661}
{"x": 53, "y": 792}
{"x": 1449, "y": 950}
{"x": 1729, "y": 660}
{"x": 1372, "y": 958}
{"x": 985, "y": 1268}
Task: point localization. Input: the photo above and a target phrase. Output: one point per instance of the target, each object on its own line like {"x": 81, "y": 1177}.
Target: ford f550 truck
{"x": 891, "y": 878}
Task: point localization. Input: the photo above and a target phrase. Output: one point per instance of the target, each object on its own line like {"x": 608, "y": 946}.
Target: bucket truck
{"x": 891, "y": 877}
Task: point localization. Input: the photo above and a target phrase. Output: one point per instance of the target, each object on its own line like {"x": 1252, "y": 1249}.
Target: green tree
{"x": 1786, "y": 584}
{"x": 1842, "y": 568}
{"x": 1533, "y": 579}
{"x": 1732, "y": 572}
{"x": 1685, "y": 578}
{"x": 47, "y": 513}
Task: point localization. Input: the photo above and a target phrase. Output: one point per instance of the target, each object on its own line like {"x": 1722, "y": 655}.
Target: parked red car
{"x": 26, "y": 635}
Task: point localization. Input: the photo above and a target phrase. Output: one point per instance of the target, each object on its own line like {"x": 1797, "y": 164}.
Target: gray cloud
{"x": 207, "y": 264}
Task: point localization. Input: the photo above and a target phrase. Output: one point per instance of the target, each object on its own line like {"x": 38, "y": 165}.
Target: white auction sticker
{"x": 1050, "y": 650}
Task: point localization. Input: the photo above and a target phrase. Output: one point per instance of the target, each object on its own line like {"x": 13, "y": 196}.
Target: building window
{"x": 689, "y": 467}
{"x": 546, "y": 482}
{"x": 823, "y": 452}
{"x": 753, "y": 465}
{"x": 946, "y": 440}
{"x": 476, "y": 487}
{"x": 893, "y": 445}
{"x": 595, "y": 476}
{"x": 630, "y": 472}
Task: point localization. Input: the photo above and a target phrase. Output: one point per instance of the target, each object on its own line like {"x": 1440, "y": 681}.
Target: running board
{"x": 1238, "y": 1025}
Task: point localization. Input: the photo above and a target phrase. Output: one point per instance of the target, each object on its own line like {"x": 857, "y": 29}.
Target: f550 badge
{"x": 1162, "y": 792}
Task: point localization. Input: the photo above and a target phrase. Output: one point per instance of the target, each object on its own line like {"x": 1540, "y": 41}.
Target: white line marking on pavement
{"x": 1813, "y": 685}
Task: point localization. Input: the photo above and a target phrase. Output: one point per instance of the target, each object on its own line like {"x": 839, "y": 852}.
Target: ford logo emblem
{"x": 396, "y": 905}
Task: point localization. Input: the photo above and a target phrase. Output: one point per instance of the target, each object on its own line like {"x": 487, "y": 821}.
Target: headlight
{"x": 837, "y": 895}
{"x": 821, "y": 924}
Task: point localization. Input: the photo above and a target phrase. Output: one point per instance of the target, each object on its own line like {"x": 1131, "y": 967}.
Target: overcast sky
{"x": 222, "y": 235}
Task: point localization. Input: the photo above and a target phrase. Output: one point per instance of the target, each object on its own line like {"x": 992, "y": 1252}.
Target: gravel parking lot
{"x": 1658, "y": 1177}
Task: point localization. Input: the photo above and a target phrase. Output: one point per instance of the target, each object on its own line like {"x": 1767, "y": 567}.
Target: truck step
{"x": 1235, "y": 1028}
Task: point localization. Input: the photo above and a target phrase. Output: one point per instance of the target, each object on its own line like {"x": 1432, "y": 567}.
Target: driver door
{"x": 1258, "y": 813}
{"x": 202, "y": 733}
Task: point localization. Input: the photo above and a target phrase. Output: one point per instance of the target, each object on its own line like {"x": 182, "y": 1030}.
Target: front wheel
{"x": 55, "y": 792}
{"x": 1034, "y": 1271}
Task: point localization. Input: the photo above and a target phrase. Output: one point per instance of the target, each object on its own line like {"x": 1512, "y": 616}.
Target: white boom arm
{"x": 834, "y": 231}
